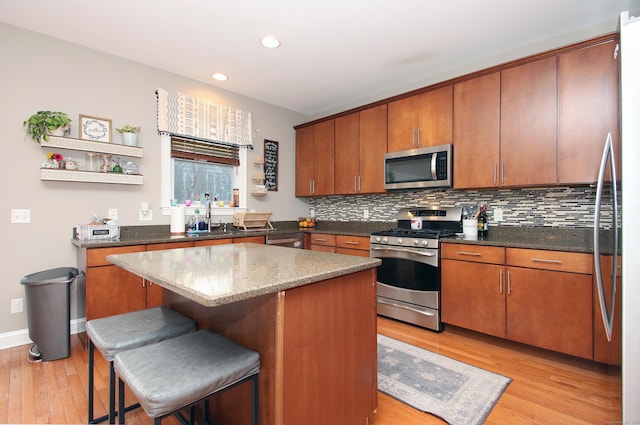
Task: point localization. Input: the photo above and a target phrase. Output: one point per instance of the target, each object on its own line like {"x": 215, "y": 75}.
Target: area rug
{"x": 459, "y": 393}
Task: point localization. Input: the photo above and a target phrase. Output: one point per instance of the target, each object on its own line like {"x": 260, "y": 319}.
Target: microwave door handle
{"x": 606, "y": 313}
{"x": 434, "y": 161}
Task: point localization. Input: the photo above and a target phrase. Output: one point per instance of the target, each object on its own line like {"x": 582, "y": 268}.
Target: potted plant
{"x": 44, "y": 123}
{"x": 129, "y": 134}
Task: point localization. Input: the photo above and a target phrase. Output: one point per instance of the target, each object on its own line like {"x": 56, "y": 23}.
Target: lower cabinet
{"x": 111, "y": 290}
{"x": 605, "y": 351}
{"x": 541, "y": 298}
{"x": 341, "y": 244}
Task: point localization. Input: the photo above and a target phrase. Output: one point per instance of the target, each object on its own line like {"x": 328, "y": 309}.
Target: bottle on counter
{"x": 481, "y": 220}
{"x": 485, "y": 232}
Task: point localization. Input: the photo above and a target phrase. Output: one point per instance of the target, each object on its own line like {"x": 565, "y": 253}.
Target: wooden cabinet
{"x": 360, "y": 145}
{"x": 473, "y": 285}
{"x": 588, "y": 95}
{"x": 315, "y": 148}
{"x": 476, "y": 132}
{"x": 422, "y": 120}
{"x": 540, "y": 298}
{"x": 322, "y": 242}
{"x": 352, "y": 245}
{"x": 604, "y": 351}
{"x": 528, "y": 124}
{"x": 111, "y": 290}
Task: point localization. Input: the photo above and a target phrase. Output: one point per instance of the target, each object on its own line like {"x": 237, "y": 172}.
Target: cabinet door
{"x": 476, "y": 132}
{"x": 588, "y": 101}
{"x": 323, "y": 158}
{"x": 551, "y": 310}
{"x": 473, "y": 296}
{"x": 435, "y": 117}
{"x": 529, "y": 124}
{"x": 372, "y": 147}
{"x": 603, "y": 350}
{"x": 249, "y": 239}
{"x": 154, "y": 291}
{"x": 112, "y": 290}
{"x": 304, "y": 161}
{"x": 347, "y": 157}
{"x": 402, "y": 124}
{"x": 210, "y": 242}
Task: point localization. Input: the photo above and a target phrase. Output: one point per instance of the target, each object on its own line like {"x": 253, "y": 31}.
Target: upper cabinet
{"x": 476, "y": 132}
{"x": 528, "y": 117}
{"x": 588, "y": 109}
{"x": 422, "y": 120}
{"x": 360, "y": 143}
{"x": 315, "y": 148}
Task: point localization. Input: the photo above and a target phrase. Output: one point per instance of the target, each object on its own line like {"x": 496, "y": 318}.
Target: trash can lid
{"x": 58, "y": 275}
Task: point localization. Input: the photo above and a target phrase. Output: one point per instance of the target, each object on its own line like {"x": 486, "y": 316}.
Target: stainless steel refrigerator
{"x": 630, "y": 183}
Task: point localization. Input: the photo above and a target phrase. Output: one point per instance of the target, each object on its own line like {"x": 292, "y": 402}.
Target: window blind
{"x": 205, "y": 150}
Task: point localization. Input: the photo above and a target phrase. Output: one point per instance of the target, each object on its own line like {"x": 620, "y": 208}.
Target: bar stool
{"x": 114, "y": 334}
{"x": 180, "y": 372}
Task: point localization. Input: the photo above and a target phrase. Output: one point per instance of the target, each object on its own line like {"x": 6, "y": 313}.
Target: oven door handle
{"x": 410, "y": 251}
{"x": 404, "y": 307}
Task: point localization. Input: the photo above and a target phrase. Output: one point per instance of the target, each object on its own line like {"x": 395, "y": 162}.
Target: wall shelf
{"x": 91, "y": 146}
{"x": 70, "y": 143}
{"x": 89, "y": 176}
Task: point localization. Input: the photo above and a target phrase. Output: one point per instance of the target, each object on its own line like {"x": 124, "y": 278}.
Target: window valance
{"x": 186, "y": 116}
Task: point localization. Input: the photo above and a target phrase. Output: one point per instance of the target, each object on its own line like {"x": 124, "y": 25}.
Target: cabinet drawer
{"x": 323, "y": 239}
{"x": 474, "y": 253}
{"x": 168, "y": 245}
{"x": 571, "y": 262}
{"x": 352, "y": 242}
{"x": 97, "y": 256}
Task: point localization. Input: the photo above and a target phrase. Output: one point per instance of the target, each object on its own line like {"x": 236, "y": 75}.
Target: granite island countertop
{"x": 222, "y": 274}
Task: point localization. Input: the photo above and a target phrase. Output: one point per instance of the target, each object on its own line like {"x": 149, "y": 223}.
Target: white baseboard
{"x": 21, "y": 337}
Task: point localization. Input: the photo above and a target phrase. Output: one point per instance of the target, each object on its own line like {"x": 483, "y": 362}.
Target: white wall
{"x": 42, "y": 73}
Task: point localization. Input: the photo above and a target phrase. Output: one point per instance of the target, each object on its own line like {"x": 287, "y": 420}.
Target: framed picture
{"x": 94, "y": 128}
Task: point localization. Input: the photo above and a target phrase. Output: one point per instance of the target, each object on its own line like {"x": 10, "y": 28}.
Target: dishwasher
{"x": 291, "y": 240}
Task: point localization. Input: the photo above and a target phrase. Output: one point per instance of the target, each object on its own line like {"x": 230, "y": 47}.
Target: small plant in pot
{"x": 44, "y": 123}
{"x": 129, "y": 134}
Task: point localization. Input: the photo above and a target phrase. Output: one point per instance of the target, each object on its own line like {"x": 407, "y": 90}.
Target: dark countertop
{"x": 547, "y": 238}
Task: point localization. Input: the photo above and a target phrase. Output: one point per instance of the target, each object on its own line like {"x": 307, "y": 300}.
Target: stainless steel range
{"x": 409, "y": 277}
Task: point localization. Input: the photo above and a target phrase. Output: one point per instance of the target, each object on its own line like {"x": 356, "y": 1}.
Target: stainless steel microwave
{"x": 419, "y": 168}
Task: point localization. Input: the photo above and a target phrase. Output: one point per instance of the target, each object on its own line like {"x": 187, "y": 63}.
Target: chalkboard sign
{"x": 271, "y": 165}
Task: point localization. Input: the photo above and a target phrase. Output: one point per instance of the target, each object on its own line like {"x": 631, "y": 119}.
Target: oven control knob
{"x": 425, "y": 243}
{"x": 377, "y": 239}
{"x": 385, "y": 240}
{"x": 416, "y": 242}
{"x": 399, "y": 241}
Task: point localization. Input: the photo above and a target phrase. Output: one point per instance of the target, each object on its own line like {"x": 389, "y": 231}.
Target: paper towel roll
{"x": 177, "y": 220}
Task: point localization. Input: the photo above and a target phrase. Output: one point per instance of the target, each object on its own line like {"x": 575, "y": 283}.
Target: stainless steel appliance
{"x": 419, "y": 168}
{"x": 408, "y": 286}
{"x": 291, "y": 240}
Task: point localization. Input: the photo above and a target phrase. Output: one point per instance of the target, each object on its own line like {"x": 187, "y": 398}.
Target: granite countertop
{"x": 548, "y": 238}
{"x": 222, "y": 274}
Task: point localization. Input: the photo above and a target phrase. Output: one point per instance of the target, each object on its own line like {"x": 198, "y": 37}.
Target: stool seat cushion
{"x": 125, "y": 331}
{"x": 177, "y": 372}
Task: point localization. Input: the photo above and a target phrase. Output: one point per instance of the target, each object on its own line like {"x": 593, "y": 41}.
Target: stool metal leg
{"x": 121, "y": 408}
{"x": 255, "y": 400}
{"x": 112, "y": 394}
{"x": 90, "y": 389}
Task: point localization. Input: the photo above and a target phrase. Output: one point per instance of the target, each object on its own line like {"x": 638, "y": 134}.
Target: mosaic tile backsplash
{"x": 568, "y": 207}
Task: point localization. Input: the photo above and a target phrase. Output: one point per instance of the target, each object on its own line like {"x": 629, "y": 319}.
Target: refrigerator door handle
{"x": 606, "y": 310}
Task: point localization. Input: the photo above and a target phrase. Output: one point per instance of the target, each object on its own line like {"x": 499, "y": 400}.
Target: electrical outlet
{"x": 497, "y": 215}
{"x": 365, "y": 213}
{"x": 112, "y": 214}
{"x": 20, "y": 216}
{"x": 17, "y": 305}
{"x": 145, "y": 215}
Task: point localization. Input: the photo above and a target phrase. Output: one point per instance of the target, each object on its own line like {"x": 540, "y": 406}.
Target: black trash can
{"x": 48, "y": 312}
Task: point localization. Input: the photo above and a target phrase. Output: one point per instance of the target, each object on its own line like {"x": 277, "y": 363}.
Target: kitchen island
{"x": 311, "y": 316}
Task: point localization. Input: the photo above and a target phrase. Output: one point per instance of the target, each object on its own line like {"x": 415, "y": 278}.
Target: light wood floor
{"x": 547, "y": 388}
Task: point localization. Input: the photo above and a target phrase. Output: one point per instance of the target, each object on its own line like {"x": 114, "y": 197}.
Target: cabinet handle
{"x": 143, "y": 284}
{"x": 544, "y": 260}
{"x": 321, "y": 239}
{"x": 501, "y": 281}
{"x": 418, "y": 137}
{"x": 508, "y": 282}
{"x": 351, "y": 243}
{"x": 413, "y": 138}
{"x": 495, "y": 174}
{"x": 502, "y": 177}
{"x": 359, "y": 184}
{"x": 473, "y": 254}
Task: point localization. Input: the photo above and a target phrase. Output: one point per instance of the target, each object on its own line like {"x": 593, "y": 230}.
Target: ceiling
{"x": 335, "y": 54}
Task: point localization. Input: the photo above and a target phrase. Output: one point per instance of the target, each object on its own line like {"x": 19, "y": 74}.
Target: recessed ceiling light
{"x": 270, "y": 42}
{"x": 220, "y": 76}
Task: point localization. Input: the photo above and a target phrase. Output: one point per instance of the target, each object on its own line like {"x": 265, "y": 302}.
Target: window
{"x": 191, "y": 168}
